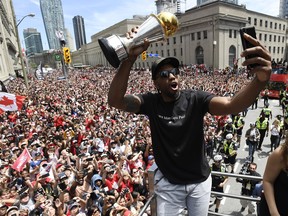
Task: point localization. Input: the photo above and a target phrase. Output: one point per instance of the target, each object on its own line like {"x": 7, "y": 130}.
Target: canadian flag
{"x": 10, "y": 102}
{"x": 22, "y": 160}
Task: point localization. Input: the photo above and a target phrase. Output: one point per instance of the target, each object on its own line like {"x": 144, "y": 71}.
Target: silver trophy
{"x": 155, "y": 28}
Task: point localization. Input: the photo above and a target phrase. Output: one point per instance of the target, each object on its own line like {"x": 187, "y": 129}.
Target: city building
{"x": 79, "y": 31}
{"x": 173, "y": 6}
{"x": 33, "y": 42}
{"x": 52, "y": 14}
{"x": 200, "y": 2}
{"x": 208, "y": 34}
{"x": 283, "y": 9}
{"x": 9, "y": 50}
{"x": 69, "y": 40}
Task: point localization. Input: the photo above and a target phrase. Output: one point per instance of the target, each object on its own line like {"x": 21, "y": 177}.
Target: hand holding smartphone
{"x": 246, "y": 44}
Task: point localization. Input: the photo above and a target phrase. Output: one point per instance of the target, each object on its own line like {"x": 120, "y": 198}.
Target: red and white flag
{"x": 22, "y": 160}
{"x": 10, "y": 102}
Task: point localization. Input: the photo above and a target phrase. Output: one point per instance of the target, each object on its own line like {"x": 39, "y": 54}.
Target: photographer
{"x": 248, "y": 186}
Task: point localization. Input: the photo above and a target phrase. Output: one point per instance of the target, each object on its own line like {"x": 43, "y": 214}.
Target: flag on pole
{"x": 10, "y": 102}
{"x": 22, "y": 160}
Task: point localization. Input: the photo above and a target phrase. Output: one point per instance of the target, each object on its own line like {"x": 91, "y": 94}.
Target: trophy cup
{"x": 155, "y": 28}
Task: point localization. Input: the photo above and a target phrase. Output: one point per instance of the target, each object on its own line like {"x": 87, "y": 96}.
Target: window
{"x": 269, "y": 49}
{"x": 181, "y": 52}
{"x": 275, "y": 38}
{"x": 156, "y": 44}
{"x": 167, "y": 41}
{"x": 192, "y": 36}
{"x": 260, "y": 36}
{"x": 274, "y": 49}
{"x": 249, "y": 20}
{"x": 235, "y": 33}
{"x": 181, "y": 39}
{"x": 162, "y": 53}
{"x": 266, "y": 23}
{"x": 232, "y": 55}
{"x": 198, "y": 35}
{"x": 168, "y": 52}
{"x": 270, "y": 38}
{"x": 278, "y": 49}
{"x": 174, "y": 52}
{"x": 230, "y": 33}
{"x": 271, "y": 25}
{"x": 280, "y": 26}
{"x": 174, "y": 40}
{"x": 265, "y": 37}
{"x": 282, "y": 50}
{"x": 255, "y": 21}
{"x": 261, "y": 22}
{"x": 279, "y": 38}
{"x": 283, "y": 38}
{"x": 275, "y": 26}
{"x": 283, "y": 27}
{"x": 199, "y": 55}
{"x": 205, "y": 34}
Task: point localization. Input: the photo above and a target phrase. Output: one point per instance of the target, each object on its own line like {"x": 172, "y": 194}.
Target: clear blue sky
{"x": 99, "y": 15}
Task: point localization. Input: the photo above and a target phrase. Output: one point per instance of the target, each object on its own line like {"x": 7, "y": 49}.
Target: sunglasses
{"x": 166, "y": 73}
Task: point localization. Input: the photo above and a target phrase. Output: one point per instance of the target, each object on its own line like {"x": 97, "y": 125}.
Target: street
{"x": 231, "y": 206}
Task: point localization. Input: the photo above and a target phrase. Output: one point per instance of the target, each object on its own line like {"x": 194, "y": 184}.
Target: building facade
{"x": 33, "y": 41}
{"x": 208, "y": 34}
{"x": 200, "y": 2}
{"x": 52, "y": 14}
{"x": 79, "y": 31}
{"x": 9, "y": 52}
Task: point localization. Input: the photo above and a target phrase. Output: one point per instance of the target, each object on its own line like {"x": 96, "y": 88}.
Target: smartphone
{"x": 246, "y": 44}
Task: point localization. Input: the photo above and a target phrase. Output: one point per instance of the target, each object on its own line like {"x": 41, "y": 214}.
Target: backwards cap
{"x": 163, "y": 61}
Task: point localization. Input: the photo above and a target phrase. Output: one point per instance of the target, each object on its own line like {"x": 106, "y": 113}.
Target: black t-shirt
{"x": 177, "y": 135}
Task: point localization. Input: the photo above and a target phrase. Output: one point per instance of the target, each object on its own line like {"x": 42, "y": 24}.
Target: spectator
{"x": 252, "y": 138}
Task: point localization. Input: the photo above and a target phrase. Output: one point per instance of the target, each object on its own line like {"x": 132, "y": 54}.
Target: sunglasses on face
{"x": 166, "y": 73}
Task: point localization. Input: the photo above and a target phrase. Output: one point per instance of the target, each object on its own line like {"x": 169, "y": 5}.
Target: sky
{"x": 99, "y": 15}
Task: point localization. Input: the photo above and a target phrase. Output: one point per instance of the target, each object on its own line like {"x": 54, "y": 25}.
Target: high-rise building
{"x": 283, "y": 9}
{"x": 52, "y": 14}
{"x": 200, "y": 2}
{"x": 33, "y": 41}
{"x": 79, "y": 31}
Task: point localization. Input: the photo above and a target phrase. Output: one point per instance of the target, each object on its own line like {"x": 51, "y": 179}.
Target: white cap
{"x": 229, "y": 136}
{"x": 217, "y": 158}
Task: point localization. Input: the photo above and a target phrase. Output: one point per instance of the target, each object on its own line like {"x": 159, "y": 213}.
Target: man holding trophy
{"x": 183, "y": 180}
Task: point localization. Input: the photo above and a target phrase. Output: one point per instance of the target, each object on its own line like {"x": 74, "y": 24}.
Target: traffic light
{"x": 144, "y": 55}
{"x": 67, "y": 56}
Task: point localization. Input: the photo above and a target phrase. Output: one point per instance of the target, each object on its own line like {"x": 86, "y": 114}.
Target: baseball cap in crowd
{"x": 150, "y": 157}
{"x": 11, "y": 209}
{"x": 74, "y": 204}
{"x": 163, "y": 61}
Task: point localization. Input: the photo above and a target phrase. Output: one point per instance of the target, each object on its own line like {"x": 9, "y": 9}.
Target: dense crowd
{"x": 87, "y": 158}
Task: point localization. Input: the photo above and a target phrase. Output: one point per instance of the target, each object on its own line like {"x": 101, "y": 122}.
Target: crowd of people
{"x": 87, "y": 158}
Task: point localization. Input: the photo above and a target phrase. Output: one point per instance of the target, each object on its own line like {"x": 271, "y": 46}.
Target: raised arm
{"x": 117, "y": 93}
{"x": 246, "y": 96}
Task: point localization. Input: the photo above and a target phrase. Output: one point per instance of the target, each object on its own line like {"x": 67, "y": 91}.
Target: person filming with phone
{"x": 183, "y": 179}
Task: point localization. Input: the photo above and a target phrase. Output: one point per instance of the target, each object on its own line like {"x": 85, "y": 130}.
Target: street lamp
{"x": 20, "y": 49}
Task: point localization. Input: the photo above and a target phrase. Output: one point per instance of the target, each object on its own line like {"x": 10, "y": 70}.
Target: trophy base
{"x": 109, "y": 52}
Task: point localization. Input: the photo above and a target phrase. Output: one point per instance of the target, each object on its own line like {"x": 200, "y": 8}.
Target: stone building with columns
{"x": 208, "y": 34}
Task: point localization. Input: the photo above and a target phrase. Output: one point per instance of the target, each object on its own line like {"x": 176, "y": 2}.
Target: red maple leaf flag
{"x": 22, "y": 160}
{"x": 10, "y": 102}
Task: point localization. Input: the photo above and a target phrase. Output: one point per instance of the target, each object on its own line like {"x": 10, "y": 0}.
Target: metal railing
{"x": 152, "y": 196}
